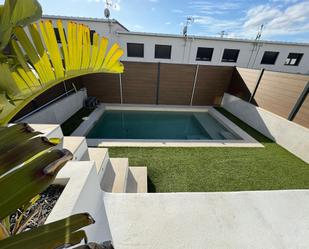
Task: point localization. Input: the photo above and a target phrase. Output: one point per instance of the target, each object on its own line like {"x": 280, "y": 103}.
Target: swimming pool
{"x": 126, "y": 124}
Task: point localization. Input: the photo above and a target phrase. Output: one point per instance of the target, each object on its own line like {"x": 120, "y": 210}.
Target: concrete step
{"x": 137, "y": 180}
{"x": 48, "y": 130}
{"x": 100, "y": 157}
{"x": 115, "y": 175}
{"x": 78, "y": 146}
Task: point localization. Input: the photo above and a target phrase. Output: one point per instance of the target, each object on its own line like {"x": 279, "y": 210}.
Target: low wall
{"x": 59, "y": 111}
{"x": 289, "y": 135}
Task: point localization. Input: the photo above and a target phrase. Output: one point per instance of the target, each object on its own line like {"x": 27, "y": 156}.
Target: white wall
{"x": 103, "y": 28}
{"x": 184, "y": 51}
{"x": 291, "y": 136}
{"x": 59, "y": 111}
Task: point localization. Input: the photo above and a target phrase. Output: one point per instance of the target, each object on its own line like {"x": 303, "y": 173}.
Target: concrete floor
{"x": 227, "y": 220}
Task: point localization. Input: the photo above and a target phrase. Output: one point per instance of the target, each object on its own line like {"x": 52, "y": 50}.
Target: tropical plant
{"x": 28, "y": 165}
{"x": 31, "y": 62}
{"x": 36, "y": 62}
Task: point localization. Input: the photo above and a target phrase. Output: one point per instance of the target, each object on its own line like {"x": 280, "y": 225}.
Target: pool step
{"x": 115, "y": 175}
{"x": 78, "y": 147}
{"x": 100, "y": 157}
{"x": 137, "y": 180}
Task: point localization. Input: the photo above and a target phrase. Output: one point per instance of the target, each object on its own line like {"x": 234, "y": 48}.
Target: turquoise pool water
{"x": 159, "y": 125}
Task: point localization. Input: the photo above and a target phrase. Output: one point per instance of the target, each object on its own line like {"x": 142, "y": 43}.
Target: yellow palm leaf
{"x": 43, "y": 63}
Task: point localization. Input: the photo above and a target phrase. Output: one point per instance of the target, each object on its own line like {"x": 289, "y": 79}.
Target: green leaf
{"x": 52, "y": 235}
{"x": 23, "y": 152}
{"x": 14, "y": 135}
{"x": 23, "y": 183}
{"x": 17, "y": 13}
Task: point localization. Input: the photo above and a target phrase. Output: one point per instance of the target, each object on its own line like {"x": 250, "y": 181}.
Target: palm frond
{"x": 40, "y": 62}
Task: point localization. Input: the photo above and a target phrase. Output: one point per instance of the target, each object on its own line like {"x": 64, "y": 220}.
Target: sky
{"x": 284, "y": 20}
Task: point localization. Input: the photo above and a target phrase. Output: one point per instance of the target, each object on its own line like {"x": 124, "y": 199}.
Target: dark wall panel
{"x": 139, "y": 83}
{"x": 176, "y": 83}
{"x": 243, "y": 82}
{"x": 105, "y": 87}
{"x": 212, "y": 82}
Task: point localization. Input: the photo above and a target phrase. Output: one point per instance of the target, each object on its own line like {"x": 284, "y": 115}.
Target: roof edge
{"x": 212, "y": 38}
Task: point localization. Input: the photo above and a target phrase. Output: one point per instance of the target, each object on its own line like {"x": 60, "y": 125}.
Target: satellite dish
{"x": 107, "y": 13}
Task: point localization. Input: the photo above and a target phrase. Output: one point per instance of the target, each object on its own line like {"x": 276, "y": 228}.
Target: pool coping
{"x": 86, "y": 126}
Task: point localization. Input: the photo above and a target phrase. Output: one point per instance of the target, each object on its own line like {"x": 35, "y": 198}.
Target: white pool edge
{"x": 86, "y": 126}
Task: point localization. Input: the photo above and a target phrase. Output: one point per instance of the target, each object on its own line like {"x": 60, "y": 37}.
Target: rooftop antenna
{"x": 259, "y": 34}
{"x": 189, "y": 21}
{"x": 223, "y": 33}
{"x": 107, "y": 12}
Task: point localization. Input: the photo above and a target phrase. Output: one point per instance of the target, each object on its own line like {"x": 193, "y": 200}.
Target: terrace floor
{"x": 220, "y": 169}
{"x": 214, "y": 169}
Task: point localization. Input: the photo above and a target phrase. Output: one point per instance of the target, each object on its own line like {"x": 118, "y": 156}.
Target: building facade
{"x": 178, "y": 49}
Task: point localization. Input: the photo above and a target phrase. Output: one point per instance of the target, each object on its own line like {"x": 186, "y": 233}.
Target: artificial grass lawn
{"x": 219, "y": 169}
{"x": 75, "y": 120}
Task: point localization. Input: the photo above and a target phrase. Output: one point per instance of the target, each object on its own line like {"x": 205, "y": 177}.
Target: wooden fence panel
{"x": 278, "y": 92}
{"x": 176, "y": 83}
{"x": 212, "y": 82}
{"x": 243, "y": 82}
{"x": 105, "y": 87}
{"x": 139, "y": 83}
{"x": 302, "y": 116}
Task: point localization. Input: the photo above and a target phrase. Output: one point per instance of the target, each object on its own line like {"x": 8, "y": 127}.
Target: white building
{"x": 169, "y": 48}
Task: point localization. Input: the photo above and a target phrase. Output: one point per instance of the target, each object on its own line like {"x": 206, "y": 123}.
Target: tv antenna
{"x": 223, "y": 33}
{"x": 108, "y": 5}
{"x": 259, "y": 34}
{"x": 189, "y": 21}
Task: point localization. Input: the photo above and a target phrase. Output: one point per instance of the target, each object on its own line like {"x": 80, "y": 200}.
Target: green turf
{"x": 74, "y": 121}
{"x": 219, "y": 169}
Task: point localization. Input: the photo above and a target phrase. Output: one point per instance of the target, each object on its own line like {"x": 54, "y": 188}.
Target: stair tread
{"x": 78, "y": 147}
{"x": 98, "y": 155}
{"x": 137, "y": 180}
{"x": 72, "y": 143}
{"x": 115, "y": 177}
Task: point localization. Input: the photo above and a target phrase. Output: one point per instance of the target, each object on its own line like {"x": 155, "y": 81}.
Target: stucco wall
{"x": 289, "y": 135}
{"x": 59, "y": 111}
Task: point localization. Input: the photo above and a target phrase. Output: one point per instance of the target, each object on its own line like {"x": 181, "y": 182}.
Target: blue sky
{"x": 286, "y": 20}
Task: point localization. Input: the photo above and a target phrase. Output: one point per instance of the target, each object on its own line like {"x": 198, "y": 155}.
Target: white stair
{"x": 115, "y": 176}
{"x": 137, "y": 180}
{"x": 101, "y": 158}
{"x": 78, "y": 147}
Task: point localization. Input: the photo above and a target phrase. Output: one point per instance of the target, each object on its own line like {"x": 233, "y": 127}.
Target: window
{"x": 230, "y": 55}
{"x": 163, "y": 51}
{"x": 293, "y": 59}
{"x": 135, "y": 50}
{"x": 204, "y": 54}
{"x": 269, "y": 57}
{"x": 57, "y": 35}
{"x": 91, "y": 36}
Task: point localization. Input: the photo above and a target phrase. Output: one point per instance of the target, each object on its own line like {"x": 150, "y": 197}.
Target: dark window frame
{"x": 207, "y": 50}
{"x": 158, "y": 54}
{"x": 298, "y": 59}
{"x": 91, "y": 36}
{"x": 230, "y": 50}
{"x": 264, "y": 60}
{"x": 136, "y": 53}
{"x": 57, "y": 34}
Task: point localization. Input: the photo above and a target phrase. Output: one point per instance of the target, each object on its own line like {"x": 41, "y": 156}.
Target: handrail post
{"x": 194, "y": 83}
{"x": 257, "y": 84}
{"x": 299, "y": 102}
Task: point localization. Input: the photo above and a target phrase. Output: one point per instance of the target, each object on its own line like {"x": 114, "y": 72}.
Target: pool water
{"x": 159, "y": 125}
